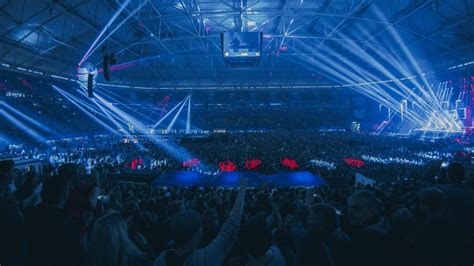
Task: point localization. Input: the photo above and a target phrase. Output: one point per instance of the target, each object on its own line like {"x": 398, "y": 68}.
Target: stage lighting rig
{"x": 90, "y": 85}
{"x": 86, "y": 75}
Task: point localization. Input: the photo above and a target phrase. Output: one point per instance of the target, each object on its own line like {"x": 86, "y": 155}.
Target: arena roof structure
{"x": 177, "y": 43}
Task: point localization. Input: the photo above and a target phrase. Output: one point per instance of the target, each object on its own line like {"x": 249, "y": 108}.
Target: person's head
{"x": 283, "y": 237}
{"x": 175, "y": 207}
{"x": 109, "y": 243}
{"x": 55, "y": 191}
{"x": 432, "y": 201}
{"x": 131, "y": 207}
{"x": 186, "y": 229}
{"x": 363, "y": 207}
{"x": 322, "y": 219}
{"x": 455, "y": 172}
{"x": 115, "y": 199}
{"x": 257, "y": 236}
{"x": 403, "y": 220}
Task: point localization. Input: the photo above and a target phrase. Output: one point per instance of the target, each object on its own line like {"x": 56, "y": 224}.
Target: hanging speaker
{"x": 113, "y": 60}
{"x": 106, "y": 66}
{"x": 90, "y": 85}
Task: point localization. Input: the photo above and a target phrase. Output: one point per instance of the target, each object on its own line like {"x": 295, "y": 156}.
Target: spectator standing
{"x": 187, "y": 233}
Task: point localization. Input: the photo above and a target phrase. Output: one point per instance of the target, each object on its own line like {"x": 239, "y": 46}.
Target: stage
{"x": 231, "y": 179}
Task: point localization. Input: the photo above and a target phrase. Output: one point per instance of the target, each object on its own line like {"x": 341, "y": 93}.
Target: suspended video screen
{"x": 241, "y": 44}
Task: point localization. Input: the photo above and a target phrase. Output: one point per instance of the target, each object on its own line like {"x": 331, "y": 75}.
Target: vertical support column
{"x": 188, "y": 120}
{"x": 403, "y": 109}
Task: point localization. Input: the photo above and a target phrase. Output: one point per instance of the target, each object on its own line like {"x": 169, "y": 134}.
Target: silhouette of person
{"x": 235, "y": 44}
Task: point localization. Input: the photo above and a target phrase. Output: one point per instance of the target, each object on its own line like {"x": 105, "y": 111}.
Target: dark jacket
{"x": 369, "y": 244}
{"x": 52, "y": 238}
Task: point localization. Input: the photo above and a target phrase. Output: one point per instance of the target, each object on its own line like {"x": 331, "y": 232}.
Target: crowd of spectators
{"x": 68, "y": 216}
{"x": 382, "y": 155}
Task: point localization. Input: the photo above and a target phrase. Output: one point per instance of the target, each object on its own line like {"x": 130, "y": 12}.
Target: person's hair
{"x": 369, "y": 197}
{"x": 184, "y": 226}
{"x": 54, "y": 190}
{"x": 257, "y": 236}
{"x": 455, "y": 172}
{"x": 403, "y": 220}
{"x": 432, "y": 199}
{"x": 109, "y": 243}
{"x": 283, "y": 237}
{"x": 324, "y": 217}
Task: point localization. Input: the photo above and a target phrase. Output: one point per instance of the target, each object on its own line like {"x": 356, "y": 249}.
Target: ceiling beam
{"x": 399, "y": 16}
{"x": 357, "y": 12}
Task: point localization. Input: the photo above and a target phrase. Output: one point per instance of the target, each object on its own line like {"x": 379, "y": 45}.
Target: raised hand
{"x": 244, "y": 183}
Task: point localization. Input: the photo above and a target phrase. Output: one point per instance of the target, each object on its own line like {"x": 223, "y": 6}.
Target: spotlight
{"x": 251, "y": 23}
{"x": 257, "y": 54}
{"x": 226, "y": 53}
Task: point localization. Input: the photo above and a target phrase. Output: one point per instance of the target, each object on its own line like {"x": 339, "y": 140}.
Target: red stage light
{"x": 252, "y": 164}
{"x": 135, "y": 163}
{"x": 289, "y": 163}
{"x": 227, "y": 166}
{"x": 191, "y": 163}
{"x": 354, "y": 162}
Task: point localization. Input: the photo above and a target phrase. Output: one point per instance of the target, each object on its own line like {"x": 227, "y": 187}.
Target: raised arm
{"x": 238, "y": 207}
{"x": 218, "y": 249}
